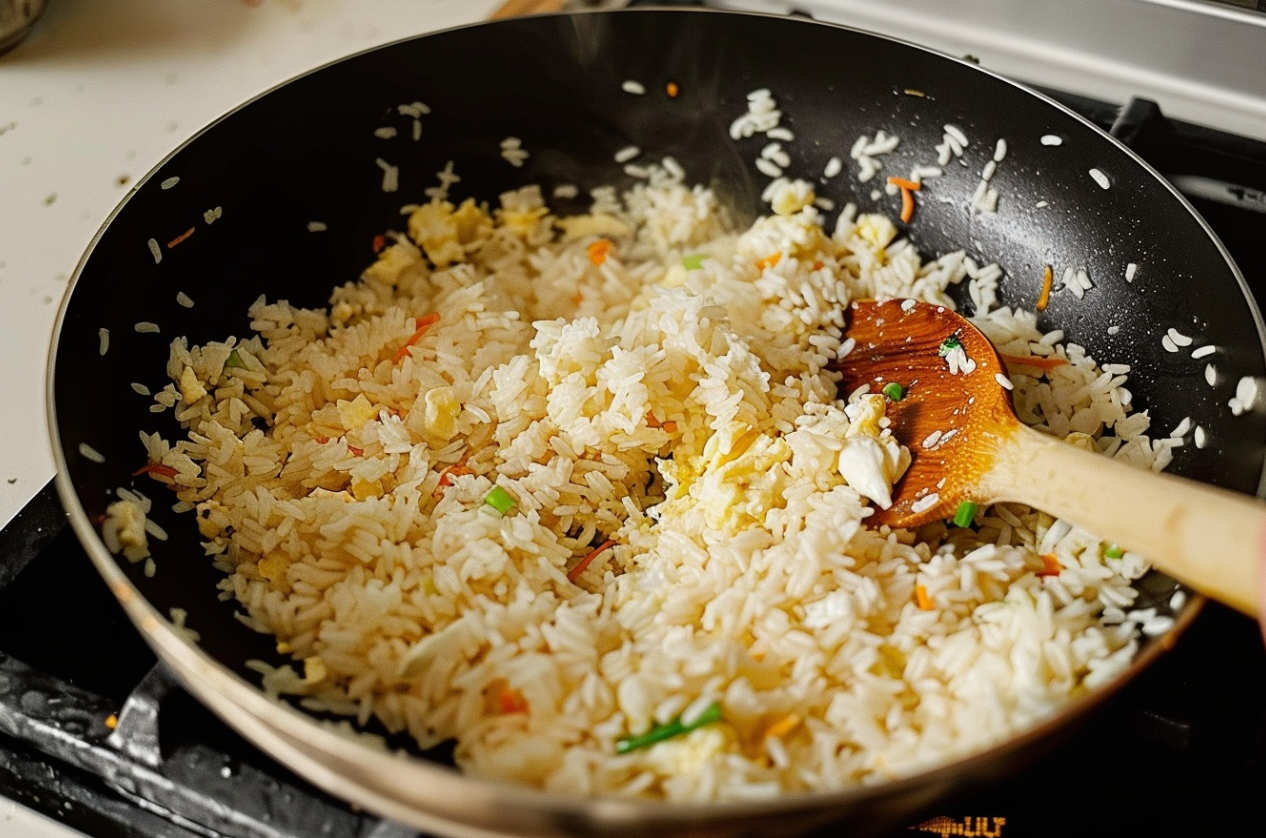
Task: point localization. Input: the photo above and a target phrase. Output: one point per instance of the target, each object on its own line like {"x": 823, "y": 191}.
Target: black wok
{"x": 306, "y": 152}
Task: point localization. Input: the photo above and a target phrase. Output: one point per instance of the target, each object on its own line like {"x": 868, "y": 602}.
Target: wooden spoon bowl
{"x": 955, "y": 416}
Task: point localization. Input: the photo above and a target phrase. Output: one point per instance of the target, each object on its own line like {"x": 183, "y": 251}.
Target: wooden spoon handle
{"x": 517, "y": 8}
{"x": 1210, "y": 538}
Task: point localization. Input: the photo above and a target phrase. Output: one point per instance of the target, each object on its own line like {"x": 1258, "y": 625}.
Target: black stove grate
{"x": 1181, "y": 752}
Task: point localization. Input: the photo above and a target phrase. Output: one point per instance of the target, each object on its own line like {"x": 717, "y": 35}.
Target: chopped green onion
{"x": 234, "y": 361}
{"x": 1113, "y": 552}
{"x": 949, "y": 345}
{"x": 500, "y": 500}
{"x": 693, "y": 262}
{"x": 667, "y": 731}
{"x": 966, "y": 514}
{"x": 894, "y": 391}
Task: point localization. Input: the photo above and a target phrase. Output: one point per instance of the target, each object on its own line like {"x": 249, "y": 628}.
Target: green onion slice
{"x": 234, "y": 361}
{"x": 500, "y": 500}
{"x": 693, "y": 262}
{"x": 894, "y": 391}
{"x": 949, "y": 345}
{"x": 1113, "y": 552}
{"x": 966, "y": 514}
{"x": 668, "y": 731}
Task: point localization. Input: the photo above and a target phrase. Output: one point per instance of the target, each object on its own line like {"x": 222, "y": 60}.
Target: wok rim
{"x": 227, "y": 694}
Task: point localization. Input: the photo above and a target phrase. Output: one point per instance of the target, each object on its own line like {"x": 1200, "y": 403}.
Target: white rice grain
{"x": 89, "y": 453}
{"x": 390, "y": 175}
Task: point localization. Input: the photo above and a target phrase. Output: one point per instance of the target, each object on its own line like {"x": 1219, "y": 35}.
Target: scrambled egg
{"x": 440, "y": 411}
{"x": 871, "y": 459}
{"x": 876, "y": 229}
{"x": 736, "y": 489}
{"x": 444, "y": 233}
{"x": 127, "y": 521}
{"x": 354, "y": 414}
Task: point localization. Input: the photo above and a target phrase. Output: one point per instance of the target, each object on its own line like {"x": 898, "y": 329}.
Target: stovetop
{"x": 94, "y": 733}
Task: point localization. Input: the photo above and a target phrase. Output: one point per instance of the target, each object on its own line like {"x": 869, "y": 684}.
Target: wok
{"x": 306, "y": 152}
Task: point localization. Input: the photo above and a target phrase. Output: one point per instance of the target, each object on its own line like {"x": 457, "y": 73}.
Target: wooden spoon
{"x": 968, "y": 445}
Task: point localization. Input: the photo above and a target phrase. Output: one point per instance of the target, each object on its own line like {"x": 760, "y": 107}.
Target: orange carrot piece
{"x": 598, "y": 251}
{"x": 357, "y": 452}
{"x": 321, "y": 440}
{"x": 421, "y": 324}
{"x": 186, "y": 234}
{"x": 907, "y": 205}
{"x": 1044, "y": 298}
{"x": 446, "y": 479}
{"x": 511, "y": 701}
{"x": 669, "y": 427}
{"x": 921, "y": 597}
{"x": 574, "y": 573}
{"x": 672, "y": 89}
{"x": 1035, "y": 361}
{"x": 380, "y": 242}
{"x": 769, "y": 261}
{"x": 1050, "y": 565}
{"x": 112, "y": 721}
{"x": 912, "y": 185}
{"x": 783, "y": 726}
{"x": 155, "y": 468}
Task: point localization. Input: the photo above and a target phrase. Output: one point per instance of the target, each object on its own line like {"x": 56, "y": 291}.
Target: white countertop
{"x": 97, "y": 95}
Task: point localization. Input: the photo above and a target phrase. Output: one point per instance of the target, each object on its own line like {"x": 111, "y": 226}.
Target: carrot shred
{"x": 574, "y": 573}
{"x": 578, "y": 297}
{"x": 155, "y": 468}
{"x": 652, "y": 422}
{"x": 112, "y": 721}
{"x": 446, "y": 479}
{"x": 511, "y": 701}
{"x": 907, "y": 205}
{"x": 380, "y": 242}
{"x": 669, "y": 427}
{"x": 1050, "y": 565}
{"x": 186, "y": 234}
{"x": 1035, "y": 361}
{"x": 358, "y": 452}
{"x": 598, "y": 251}
{"x": 321, "y": 440}
{"x": 817, "y": 266}
{"x": 672, "y": 89}
{"x": 1044, "y": 298}
{"x": 421, "y": 324}
{"x": 783, "y": 726}
{"x": 912, "y": 185}
{"x": 769, "y": 261}
{"x": 921, "y": 597}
